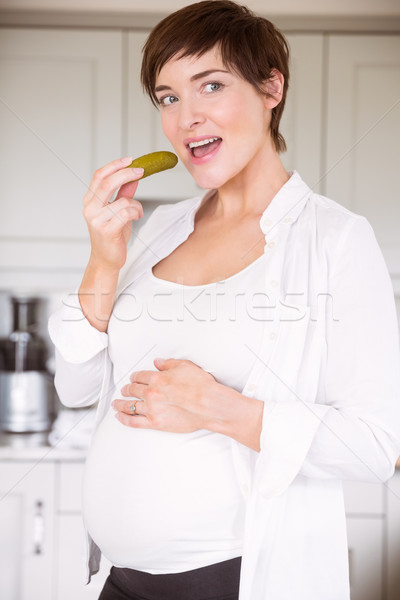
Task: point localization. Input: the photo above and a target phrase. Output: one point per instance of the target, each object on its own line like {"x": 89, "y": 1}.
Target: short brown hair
{"x": 250, "y": 45}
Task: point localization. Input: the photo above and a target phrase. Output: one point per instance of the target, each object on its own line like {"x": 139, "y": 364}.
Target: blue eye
{"x": 167, "y": 100}
{"x": 213, "y": 86}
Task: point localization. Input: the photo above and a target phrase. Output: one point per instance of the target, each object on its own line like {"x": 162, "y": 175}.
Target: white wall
{"x": 267, "y": 7}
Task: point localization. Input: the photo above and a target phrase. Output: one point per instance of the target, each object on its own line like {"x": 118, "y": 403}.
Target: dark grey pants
{"x": 215, "y": 582}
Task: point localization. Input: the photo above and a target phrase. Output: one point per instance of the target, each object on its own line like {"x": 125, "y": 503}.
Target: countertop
{"x": 22, "y": 447}
{"x": 42, "y": 453}
{"x": 35, "y": 447}
{"x": 68, "y": 439}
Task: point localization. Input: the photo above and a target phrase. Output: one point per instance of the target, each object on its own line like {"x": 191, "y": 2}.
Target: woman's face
{"x": 217, "y": 122}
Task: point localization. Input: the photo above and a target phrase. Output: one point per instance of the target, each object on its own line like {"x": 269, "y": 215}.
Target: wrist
{"x": 235, "y": 415}
{"x": 97, "y": 292}
{"x": 101, "y": 270}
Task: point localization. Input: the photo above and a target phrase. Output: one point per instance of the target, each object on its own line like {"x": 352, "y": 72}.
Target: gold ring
{"x": 132, "y": 407}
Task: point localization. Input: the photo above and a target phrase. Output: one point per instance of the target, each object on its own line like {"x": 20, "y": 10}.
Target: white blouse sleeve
{"x": 81, "y": 352}
{"x": 359, "y": 438}
{"x": 351, "y": 428}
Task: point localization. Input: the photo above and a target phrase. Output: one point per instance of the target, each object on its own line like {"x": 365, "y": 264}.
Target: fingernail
{"x": 127, "y": 160}
{"x": 138, "y": 171}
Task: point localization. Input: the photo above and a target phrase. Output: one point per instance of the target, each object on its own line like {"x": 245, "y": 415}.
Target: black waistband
{"x": 219, "y": 581}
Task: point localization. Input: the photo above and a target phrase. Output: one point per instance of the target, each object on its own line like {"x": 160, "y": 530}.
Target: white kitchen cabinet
{"x": 302, "y": 117}
{"x": 71, "y": 569}
{"x": 362, "y": 133}
{"x": 366, "y": 550}
{"x": 42, "y": 538}
{"x": 70, "y": 541}
{"x": 366, "y": 525}
{"x": 60, "y": 119}
{"x": 364, "y": 498}
{"x": 392, "y": 492}
{"x": 27, "y": 497}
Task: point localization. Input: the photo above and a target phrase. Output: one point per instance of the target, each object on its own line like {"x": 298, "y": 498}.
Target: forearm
{"x": 110, "y": 225}
{"x": 97, "y": 294}
{"x": 235, "y": 415}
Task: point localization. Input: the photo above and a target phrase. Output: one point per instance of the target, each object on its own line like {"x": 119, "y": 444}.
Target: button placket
{"x": 251, "y": 387}
{"x": 266, "y": 222}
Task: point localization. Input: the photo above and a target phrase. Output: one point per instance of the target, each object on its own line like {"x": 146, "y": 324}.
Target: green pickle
{"x": 155, "y": 162}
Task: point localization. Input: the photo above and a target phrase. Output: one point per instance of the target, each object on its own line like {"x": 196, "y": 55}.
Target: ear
{"x": 274, "y": 88}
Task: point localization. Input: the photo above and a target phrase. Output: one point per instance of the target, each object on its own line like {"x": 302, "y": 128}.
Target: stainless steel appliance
{"x": 27, "y": 395}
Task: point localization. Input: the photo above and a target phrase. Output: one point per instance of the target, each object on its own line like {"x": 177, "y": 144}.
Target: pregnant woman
{"x": 243, "y": 351}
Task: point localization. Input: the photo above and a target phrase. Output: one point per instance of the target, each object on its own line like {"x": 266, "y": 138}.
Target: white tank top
{"x": 169, "y": 502}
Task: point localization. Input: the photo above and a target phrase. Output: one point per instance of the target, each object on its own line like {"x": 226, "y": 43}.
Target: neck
{"x": 252, "y": 190}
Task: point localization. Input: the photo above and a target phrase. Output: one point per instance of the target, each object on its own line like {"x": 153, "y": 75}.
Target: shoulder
{"x": 313, "y": 213}
{"x": 334, "y": 224}
{"x": 346, "y": 238}
{"x": 333, "y": 233}
{"x": 330, "y": 214}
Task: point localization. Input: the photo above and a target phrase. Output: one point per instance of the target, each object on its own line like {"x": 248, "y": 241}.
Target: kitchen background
{"x": 70, "y": 101}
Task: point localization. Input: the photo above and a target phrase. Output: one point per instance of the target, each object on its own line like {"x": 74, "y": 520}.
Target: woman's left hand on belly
{"x": 174, "y": 398}
{"x": 181, "y": 397}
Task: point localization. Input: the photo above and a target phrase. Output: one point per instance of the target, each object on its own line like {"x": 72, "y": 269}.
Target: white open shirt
{"x": 328, "y": 373}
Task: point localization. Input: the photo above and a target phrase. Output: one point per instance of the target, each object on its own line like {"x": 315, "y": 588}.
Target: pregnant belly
{"x": 162, "y": 502}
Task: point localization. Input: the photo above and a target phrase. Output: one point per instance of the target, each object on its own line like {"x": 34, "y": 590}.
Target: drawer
{"x": 362, "y": 498}
{"x": 365, "y": 539}
{"x": 70, "y": 486}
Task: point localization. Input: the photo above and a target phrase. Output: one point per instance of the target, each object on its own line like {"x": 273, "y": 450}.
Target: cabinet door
{"x": 301, "y": 119}
{"x": 363, "y": 498}
{"x": 71, "y": 539}
{"x": 365, "y": 511}
{"x": 363, "y": 131}
{"x": 365, "y": 542}
{"x": 60, "y": 119}
{"x": 392, "y": 490}
{"x": 71, "y": 568}
{"x": 26, "y": 525}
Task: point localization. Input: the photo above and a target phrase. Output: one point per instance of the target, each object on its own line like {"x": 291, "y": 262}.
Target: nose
{"x": 191, "y": 115}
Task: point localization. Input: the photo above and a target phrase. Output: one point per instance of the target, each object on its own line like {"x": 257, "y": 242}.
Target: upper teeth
{"x": 202, "y": 142}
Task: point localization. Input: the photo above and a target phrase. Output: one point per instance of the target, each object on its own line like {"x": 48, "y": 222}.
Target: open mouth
{"x": 203, "y": 147}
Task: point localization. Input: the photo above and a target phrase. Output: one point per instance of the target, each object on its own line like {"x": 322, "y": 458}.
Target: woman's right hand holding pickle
{"x": 110, "y": 225}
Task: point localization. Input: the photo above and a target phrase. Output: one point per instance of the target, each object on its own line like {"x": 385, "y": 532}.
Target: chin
{"x": 207, "y": 180}
{"x": 207, "y": 183}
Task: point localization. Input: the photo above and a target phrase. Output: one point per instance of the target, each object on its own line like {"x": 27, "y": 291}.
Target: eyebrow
{"x": 162, "y": 88}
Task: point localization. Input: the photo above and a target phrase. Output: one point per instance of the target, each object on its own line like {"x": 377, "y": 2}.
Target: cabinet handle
{"x": 38, "y": 528}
